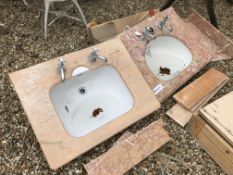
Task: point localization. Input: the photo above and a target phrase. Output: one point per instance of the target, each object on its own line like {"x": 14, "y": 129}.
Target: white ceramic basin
{"x": 88, "y": 101}
{"x": 167, "y": 56}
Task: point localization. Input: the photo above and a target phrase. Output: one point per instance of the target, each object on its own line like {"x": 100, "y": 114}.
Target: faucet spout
{"x": 62, "y": 68}
{"x": 62, "y": 73}
{"x": 102, "y": 58}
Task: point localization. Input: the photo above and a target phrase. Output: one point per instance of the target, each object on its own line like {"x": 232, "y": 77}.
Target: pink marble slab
{"x": 225, "y": 44}
{"x": 33, "y": 87}
{"x": 123, "y": 137}
{"x": 130, "y": 150}
{"x": 201, "y": 46}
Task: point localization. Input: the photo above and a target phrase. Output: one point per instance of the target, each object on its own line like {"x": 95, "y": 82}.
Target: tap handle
{"x": 94, "y": 49}
{"x": 61, "y": 59}
{"x": 165, "y": 18}
{"x": 149, "y": 31}
{"x": 61, "y": 62}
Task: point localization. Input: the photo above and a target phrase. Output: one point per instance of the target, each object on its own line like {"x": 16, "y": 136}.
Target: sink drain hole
{"x": 164, "y": 71}
{"x": 82, "y": 90}
{"x": 96, "y": 112}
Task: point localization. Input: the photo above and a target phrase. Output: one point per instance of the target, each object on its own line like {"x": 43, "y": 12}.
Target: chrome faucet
{"x": 61, "y": 68}
{"x": 94, "y": 56}
{"x": 162, "y": 24}
{"x": 147, "y": 34}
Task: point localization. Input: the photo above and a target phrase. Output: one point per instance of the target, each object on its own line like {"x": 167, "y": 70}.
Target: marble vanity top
{"x": 34, "y": 84}
{"x": 127, "y": 54}
{"x": 203, "y": 50}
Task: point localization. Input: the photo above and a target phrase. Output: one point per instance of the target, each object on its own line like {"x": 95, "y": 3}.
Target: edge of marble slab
{"x": 219, "y": 38}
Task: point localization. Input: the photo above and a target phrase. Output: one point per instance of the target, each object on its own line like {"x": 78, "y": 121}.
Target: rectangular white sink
{"x": 88, "y": 101}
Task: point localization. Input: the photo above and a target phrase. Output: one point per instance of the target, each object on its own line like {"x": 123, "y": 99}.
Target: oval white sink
{"x": 90, "y": 100}
{"x": 167, "y": 56}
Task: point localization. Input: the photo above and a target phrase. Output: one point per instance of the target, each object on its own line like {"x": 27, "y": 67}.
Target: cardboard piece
{"x": 111, "y": 29}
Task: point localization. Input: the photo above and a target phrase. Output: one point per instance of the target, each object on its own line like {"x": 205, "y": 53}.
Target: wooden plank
{"x": 223, "y": 147}
{"x": 179, "y": 114}
{"x": 196, "y": 125}
{"x": 129, "y": 152}
{"x": 220, "y": 150}
{"x": 182, "y": 116}
{"x": 207, "y": 98}
{"x": 200, "y": 88}
{"x": 219, "y": 115}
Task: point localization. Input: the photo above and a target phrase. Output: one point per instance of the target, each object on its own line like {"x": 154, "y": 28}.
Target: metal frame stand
{"x": 59, "y": 14}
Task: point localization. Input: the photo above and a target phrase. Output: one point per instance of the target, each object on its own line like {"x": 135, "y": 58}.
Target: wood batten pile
{"x": 196, "y": 95}
{"x": 213, "y": 129}
{"x": 212, "y": 125}
{"x": 219, "y": 116}
{"x": 213, "y": 143}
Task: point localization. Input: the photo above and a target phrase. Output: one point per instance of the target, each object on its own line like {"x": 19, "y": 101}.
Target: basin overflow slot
{"x": 67, "y": 109}
{"x": 82, "y": 90}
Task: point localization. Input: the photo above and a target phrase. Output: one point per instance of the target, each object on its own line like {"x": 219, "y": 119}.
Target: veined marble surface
{"x": 203, "y": 49}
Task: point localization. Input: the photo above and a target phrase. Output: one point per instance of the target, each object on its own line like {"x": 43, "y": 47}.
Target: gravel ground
{"x": 22, "y": 45}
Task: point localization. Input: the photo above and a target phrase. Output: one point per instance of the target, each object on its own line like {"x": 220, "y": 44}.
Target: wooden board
{"x": 182, "y": 116}
{"x": 202, "y": 103}
{"x": 220, "y": 115}
{"x": 200, "y": 88}
{"x": 130, "y": 151}
{"x": 33, "y": 86}
{"x": 220, "y": 150}
{"x": 179, "y": 114}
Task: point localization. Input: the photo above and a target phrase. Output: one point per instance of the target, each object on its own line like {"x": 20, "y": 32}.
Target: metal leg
{"x": 80, "y": 11}
{"x": 25, "y": 2}
{"x": 54, "y": 20}
{"x": 167, "y": 4}
{"x": 46, "y": 3}
{"x": 211, "y": 13}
